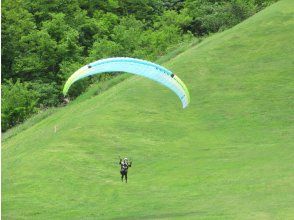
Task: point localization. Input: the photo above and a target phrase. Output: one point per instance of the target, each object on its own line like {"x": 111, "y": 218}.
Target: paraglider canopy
{"x": 135, "y": 66}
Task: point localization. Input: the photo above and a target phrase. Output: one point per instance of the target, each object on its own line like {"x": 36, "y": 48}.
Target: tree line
{"x": 44, "y": 42}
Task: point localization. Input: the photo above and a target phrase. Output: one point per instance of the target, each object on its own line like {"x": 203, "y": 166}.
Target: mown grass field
{"x": 229, "y": 155}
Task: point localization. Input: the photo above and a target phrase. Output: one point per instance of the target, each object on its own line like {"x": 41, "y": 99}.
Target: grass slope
{"x": 229, "y": 155}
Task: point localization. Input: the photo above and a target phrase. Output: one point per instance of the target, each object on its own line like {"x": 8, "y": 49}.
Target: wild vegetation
{"x": 43, "y": 42}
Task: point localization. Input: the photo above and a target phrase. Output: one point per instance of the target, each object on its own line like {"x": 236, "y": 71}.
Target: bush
{"x": 18, "y": 103}
{"x": 48, "y": 94}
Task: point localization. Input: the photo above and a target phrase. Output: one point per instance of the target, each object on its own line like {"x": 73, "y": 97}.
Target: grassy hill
{"x": 229, "y": 155}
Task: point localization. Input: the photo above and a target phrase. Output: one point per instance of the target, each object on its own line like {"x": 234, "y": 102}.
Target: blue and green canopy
{"x": 135, "y": 66}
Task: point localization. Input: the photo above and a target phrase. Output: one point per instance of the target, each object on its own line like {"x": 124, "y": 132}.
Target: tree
{"x": 36, "y": 57}
{"x": 18, "y": 103}
{"x": 16, "y": 23}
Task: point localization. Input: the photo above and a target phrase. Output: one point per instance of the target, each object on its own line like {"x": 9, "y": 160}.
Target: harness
{"x": 124, "y": 166}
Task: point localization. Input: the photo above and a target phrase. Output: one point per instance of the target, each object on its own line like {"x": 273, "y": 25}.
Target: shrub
{"x": 18, "y": 103}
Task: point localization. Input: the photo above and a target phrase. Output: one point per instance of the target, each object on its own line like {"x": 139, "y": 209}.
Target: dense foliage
{"x": 43, "y": 42}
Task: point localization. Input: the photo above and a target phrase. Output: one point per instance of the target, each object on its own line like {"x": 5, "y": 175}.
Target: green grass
{"x": 28, "y": 123}
{"x": 178, "y": 49}
{"x": 229, "y": 155}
